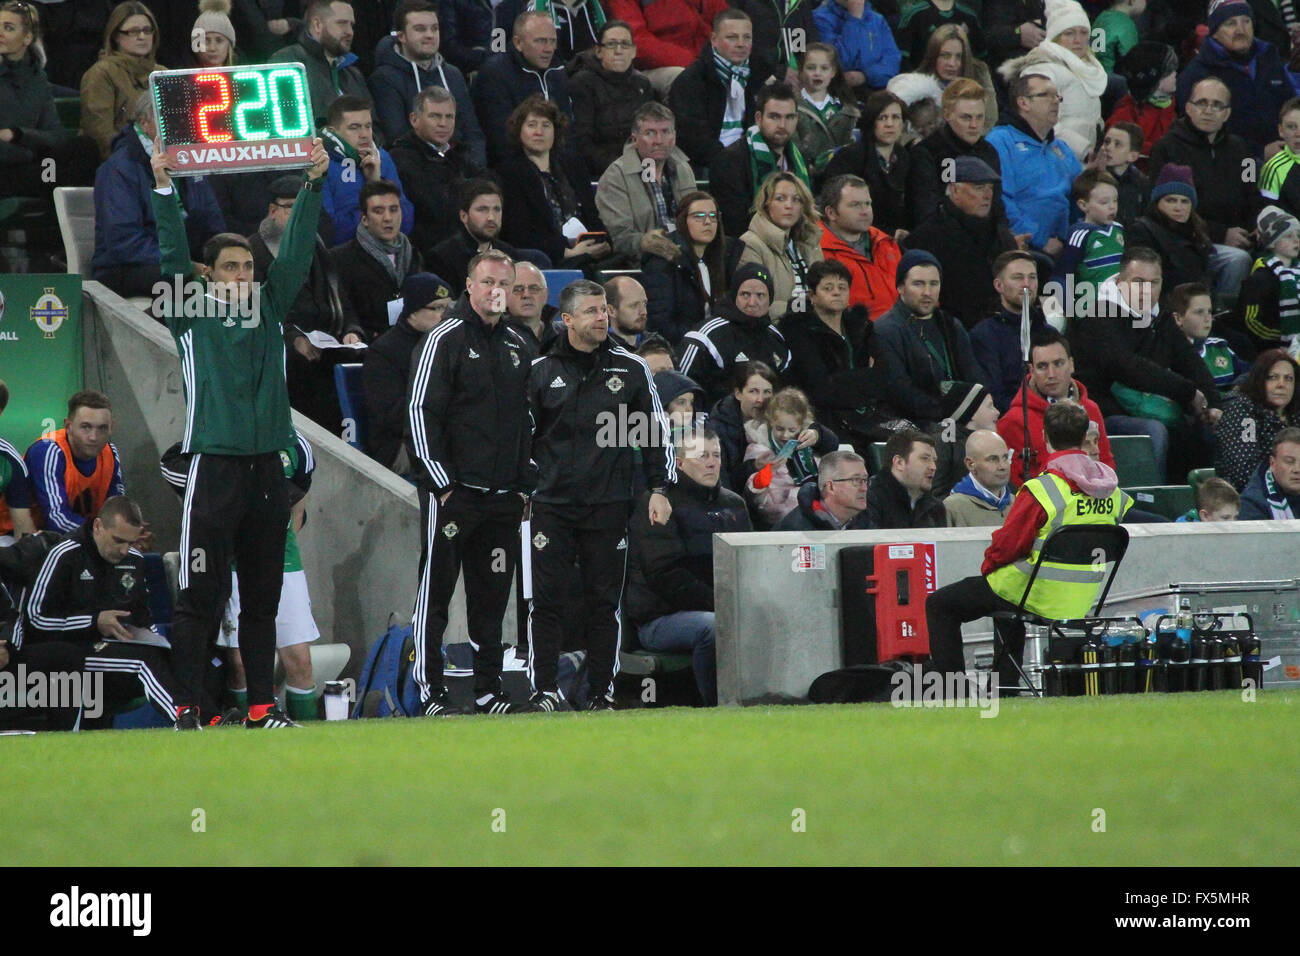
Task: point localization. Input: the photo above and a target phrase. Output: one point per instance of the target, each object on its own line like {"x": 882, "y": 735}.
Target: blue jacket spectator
{"x": 341, "y": 196}
{"x": 863, "y": 43}
{"x": 126, "y": 236}
{"x": 397, "y": 80}
{"x": 467, "y": 31}
{"x": 506, "y": 80}
{"x": 1036, "y": 178}
{"x": 1258, "y": 86}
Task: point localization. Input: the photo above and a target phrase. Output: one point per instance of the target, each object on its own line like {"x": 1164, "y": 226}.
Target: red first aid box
{"x": 884, "y": 587}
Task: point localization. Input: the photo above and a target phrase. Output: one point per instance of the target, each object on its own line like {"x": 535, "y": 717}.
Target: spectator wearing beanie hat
{"x": 1066, "y": 56}
{"x": 1268, "y": 303}
{"x": 1252, "y": 70}
{"x": 967, "y": 407}
{"x": 742, "y": 332}
{"x": 922, "y": 345}
{"x": 1151, "y": 70}
{"x": 215, "y": 34}
{"x": 1171, "y": 227}
{"x": 386, "y": 368}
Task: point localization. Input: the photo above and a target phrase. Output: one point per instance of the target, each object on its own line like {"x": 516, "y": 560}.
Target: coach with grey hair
{"x": 594, "y": 405}
{"x": 638, "y": 206}
{"x": 127, "y": 258}
{"x": 838, "y": 501}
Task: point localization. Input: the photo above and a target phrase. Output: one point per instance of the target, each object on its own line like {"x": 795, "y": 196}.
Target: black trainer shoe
{"x": 499, "y": 703}
{"x": 273, "y": 719}
{"x": 188, "y": 719}
{"x": 439, "y": 705}
{"x": 544, "y": 702}
{"x": 232, "y": 717}
{"x": 600, "y": 702}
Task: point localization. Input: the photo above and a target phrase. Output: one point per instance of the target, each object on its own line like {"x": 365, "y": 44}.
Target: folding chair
{"x": 1080, "y": 544}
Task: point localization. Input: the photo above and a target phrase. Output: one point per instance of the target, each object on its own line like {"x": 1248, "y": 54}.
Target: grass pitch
{"x": 1202, "y": 779}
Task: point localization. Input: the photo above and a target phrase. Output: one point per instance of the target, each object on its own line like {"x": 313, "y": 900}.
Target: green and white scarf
{"x": 1279, "y": 505}
{"x": 762, "y": 160}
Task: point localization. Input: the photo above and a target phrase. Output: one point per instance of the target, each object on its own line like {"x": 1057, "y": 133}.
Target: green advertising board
{"x": 40, "y": 352}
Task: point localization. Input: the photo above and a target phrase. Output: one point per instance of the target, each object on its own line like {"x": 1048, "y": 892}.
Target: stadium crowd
{"x": 799, "y": 236}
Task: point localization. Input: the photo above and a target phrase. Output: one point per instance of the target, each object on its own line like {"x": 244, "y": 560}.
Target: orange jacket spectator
{"x": 873, "y": 279}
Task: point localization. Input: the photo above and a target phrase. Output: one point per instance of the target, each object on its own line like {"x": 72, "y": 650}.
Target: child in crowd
{"x": 1152, "y": 72}
{"x": 828, "y": 111}
{"x": 773, "y": 488}
{"x": 1270, "y": 298}
{"x": 1119, "y": 34}
{"x": 681, "y": 398}
{"x": 1279, "y": 180}
{"x": 1096, "y": 244}
{"x": 1191, "y": 307}
{"x": 1216, "y": 500}
{"x": 1119, "y": 153}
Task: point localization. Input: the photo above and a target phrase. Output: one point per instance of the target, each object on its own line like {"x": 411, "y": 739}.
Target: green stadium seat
{"x": 876, "y": 457}
{"x": 1198, "y": 475}
{"x": 1168, "y": 500}
{"x": 1135, "y": 461}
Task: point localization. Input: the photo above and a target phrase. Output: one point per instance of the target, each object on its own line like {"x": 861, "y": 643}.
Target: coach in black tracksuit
{"x": 469, "y": 440}
{"x": 89, "y": 591}
{"x": 592, "y": 402}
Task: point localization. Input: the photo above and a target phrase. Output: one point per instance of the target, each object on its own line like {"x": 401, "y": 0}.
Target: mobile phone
{"x": 594, "y": 237}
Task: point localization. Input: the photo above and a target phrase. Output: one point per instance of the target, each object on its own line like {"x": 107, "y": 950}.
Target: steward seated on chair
{"x": 1073, "y": 490}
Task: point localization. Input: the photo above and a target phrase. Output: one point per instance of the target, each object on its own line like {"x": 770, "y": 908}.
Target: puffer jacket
{"x": 395, "y": 84}
{"x": 765, "y": 244}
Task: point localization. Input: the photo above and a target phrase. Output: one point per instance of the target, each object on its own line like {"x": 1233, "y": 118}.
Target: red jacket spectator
{"x": 667, "y": 32}
{"x": 1153, "y": 120}
{"x": 1011, "y": 427}
{"x": 873, "y": 279}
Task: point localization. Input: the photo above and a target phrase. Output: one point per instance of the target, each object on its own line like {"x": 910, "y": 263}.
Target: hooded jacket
{"x": 1081, "y": 82}
{"x": 624, "y": 201}
{"x": 890, "y": 506}
{"x": 1259, "y": 87}
{"x": 467, "y": 27}
{"x": 670, "y": 566}
{"x": 914, "y": 373}
{"x": 765, "y": 244}
{"x": 504, "y": 81}
{"x": 603, "y": 104}
{"x": 27, "y": 109}
{"x": 326, "y": 81}
{"x": 873, "y": 279}
{"x": 1109, "y": 348}
{"x": 395, "y": 84}
{"x": 1015, "y": 539}
{"x": 1011, "y": 426}
{"x": 126, "y": 232}
{"x": 699, "y": 101}
{"x": 108, "y": 89}
{"x": 1229, "y": 200}
{"x": 1037, "y": 175}
{"x": 863, "y": 43}
{"x": 966, "y": 245}
{"x": 711, "y": 352}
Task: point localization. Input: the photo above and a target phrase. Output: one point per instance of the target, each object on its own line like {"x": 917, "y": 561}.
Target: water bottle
{"x": 1109, "y": 660}
{"x": 1091, "y": 666}
{"x": 1150, "y": 678}
{"x": 1134, "y": 636}
{"x": 1217, "y": 673}
{"x": 1231, "y": 661}
{"x": 1252, "y": 668}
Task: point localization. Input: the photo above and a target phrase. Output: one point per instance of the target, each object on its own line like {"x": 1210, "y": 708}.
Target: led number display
{"x": 234, "y": 118}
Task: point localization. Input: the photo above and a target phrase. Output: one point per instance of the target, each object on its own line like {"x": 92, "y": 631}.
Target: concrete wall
{"x": 361, "y": 544}
{"x": 778, "y": 629}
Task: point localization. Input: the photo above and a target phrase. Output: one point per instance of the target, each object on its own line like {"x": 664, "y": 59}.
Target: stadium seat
{"x": 347, "y": 382}
{"x": 1135, "y": 461}
{"x": 1198, "y": 475}
{"x": 556, "y": 280}
{"x": 1172, "y": 501}
{"x": 875, "y": 457}
{"x": 75, "y": 208}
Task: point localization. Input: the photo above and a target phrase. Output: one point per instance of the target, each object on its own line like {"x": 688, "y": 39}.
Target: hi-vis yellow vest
{"x": 1061, "y": 591}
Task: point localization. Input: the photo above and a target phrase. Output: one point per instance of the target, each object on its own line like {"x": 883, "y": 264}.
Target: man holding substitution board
{"x": 237, "y": 424}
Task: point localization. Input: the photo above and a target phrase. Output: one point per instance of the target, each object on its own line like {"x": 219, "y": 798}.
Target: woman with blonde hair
{"x": 111, "y": 85}
{"x": 948, "y": 57}
{"x": 783, "y": 237}
{"x": 1080, "y": 78}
